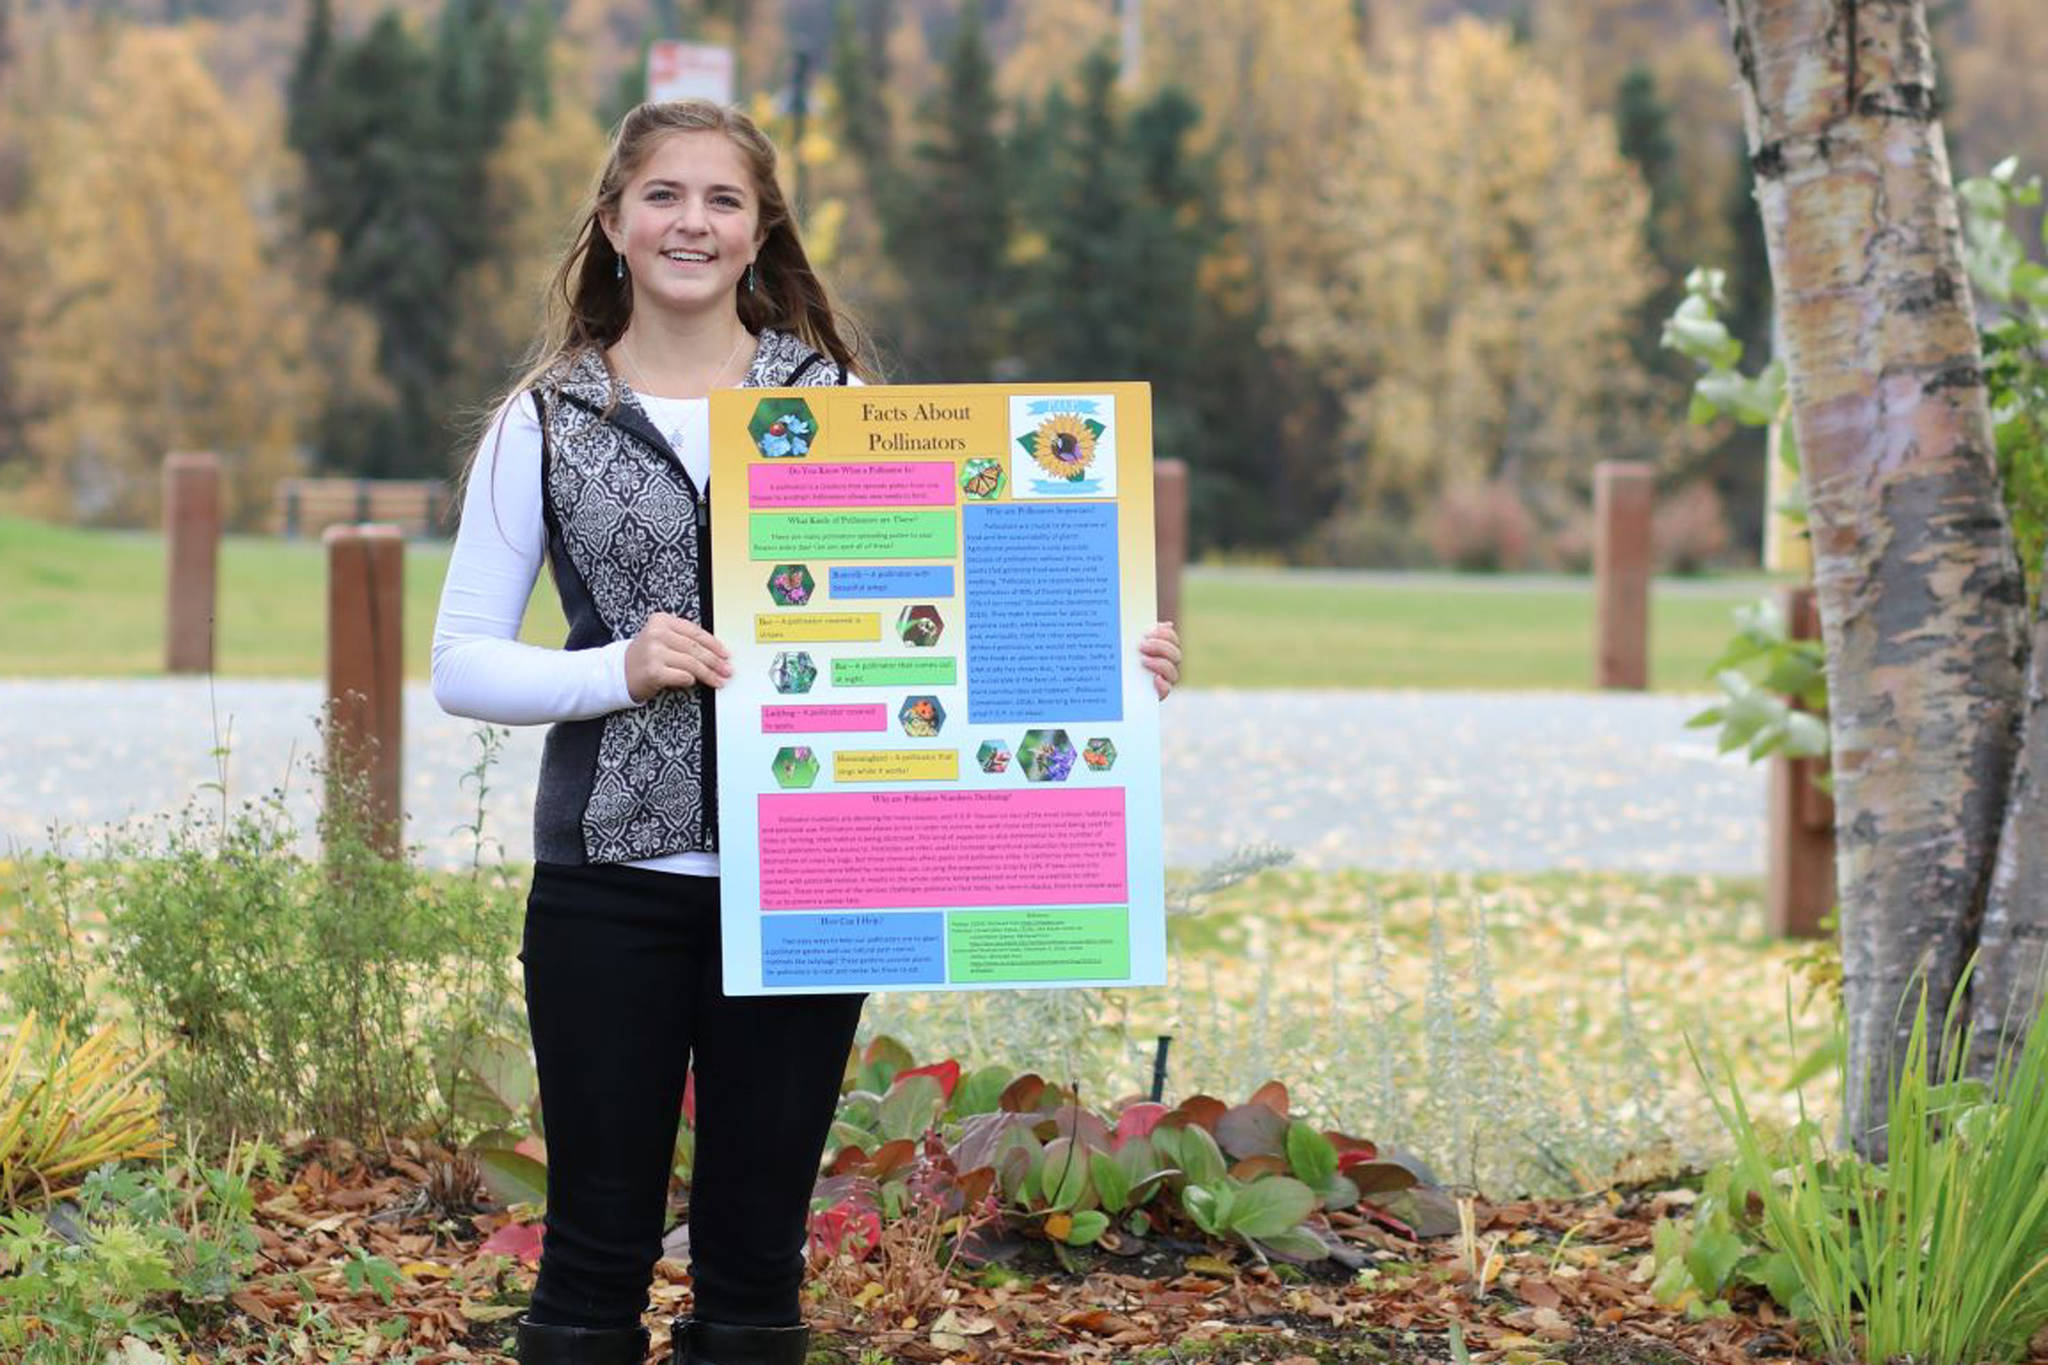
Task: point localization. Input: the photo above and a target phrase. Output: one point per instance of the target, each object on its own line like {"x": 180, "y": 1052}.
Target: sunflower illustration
{"x": 1064, "y": 446}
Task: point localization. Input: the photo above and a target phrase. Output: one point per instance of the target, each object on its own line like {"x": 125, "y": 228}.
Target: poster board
{"x": 938, "y": 754}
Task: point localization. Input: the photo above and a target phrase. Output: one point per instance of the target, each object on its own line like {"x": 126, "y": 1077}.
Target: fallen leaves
{"x": 1560, "y": 1273}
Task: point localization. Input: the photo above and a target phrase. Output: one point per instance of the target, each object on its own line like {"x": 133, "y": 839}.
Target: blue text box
{"x": 853, "y": 949}
{"x": 1043, "y": 606}
{"x": 853, "y": 583}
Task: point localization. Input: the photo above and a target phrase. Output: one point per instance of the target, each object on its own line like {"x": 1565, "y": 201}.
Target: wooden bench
{"x": 307, "y": 507}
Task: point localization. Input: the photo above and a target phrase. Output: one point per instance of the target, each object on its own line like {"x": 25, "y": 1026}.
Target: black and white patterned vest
{"x": 627, "y": 538}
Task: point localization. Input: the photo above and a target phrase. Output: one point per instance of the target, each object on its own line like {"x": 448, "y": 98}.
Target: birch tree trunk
{"x": 1921, "y": 602}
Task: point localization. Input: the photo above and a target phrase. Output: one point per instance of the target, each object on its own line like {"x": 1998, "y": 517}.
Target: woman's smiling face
{"x": 688, "y": 223}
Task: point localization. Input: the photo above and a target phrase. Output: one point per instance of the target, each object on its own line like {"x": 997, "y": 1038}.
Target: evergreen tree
{"x": 858, "y": 67}
{"x": 1740, "y": 470}
{"x": 1075, "y": 317}
{"x": 1128, "y": 219}
{"x": 1643, "y": 121}
{"x": 1643, "y": 131}
{"x": 396, "y": 137}
{"x": 948, "y": 220}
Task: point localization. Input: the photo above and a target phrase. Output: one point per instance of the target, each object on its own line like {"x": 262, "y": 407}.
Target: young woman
{"x": 687, "y": 275}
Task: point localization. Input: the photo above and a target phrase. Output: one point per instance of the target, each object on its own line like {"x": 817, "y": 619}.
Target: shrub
{"x": 1368, "y": 538}
{"x": 1481, "y": 528}
{"x": 287, "y": 992}
{"x": 1570, "y": 548}
{"x": 1007, "y": 1153}
{"x": 1689, "y": 529}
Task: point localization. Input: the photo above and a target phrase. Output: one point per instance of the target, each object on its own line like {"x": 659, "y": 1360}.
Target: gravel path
{"x": 1424, "y": 781}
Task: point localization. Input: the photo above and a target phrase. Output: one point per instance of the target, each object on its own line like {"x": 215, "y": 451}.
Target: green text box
{"x": 1038, "y": 945}
{"x": 853, "y": 535}
{"x": 940, "y": 671}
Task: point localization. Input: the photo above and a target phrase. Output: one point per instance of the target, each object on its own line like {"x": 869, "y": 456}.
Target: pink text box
{"x": 818, "y": 720}
{"x": 907, "y": 483}
{"x": 898, "y": 850}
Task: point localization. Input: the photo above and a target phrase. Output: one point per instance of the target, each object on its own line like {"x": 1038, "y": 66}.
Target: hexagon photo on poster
{"x": 791, "y": 585}
{"x": 920, "y": 626}
{"x": 922, "y": 717}
{"x": 793, "y": 671}
{"x": 783, "y": 428}
{"x": 796, "y": 766}
{"x": 1046, "y": 756}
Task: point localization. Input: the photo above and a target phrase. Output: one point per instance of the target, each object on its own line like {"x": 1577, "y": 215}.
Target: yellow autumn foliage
{"x": 1477, "y": 253}
{"x": 69, "y": 1105}
{"x": 1280, "y": 88}
{"x": 168, "y": 307}
{"x": 1043, "y": 44}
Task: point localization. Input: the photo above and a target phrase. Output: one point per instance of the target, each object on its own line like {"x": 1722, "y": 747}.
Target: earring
{"x": 750, "y": 277}
{"x": 618, "y": 266}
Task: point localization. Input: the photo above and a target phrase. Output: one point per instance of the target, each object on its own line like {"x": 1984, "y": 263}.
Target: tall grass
{"x": 1939, "y": 1256}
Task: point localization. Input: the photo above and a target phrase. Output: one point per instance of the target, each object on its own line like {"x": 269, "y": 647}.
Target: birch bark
{"x": 1921, "y": 600}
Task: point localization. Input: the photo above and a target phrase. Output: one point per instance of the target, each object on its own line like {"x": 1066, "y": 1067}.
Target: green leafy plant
{"x": 490, "y": 1088}
{"x": 1941, "y": 1255}
{"x": 1774, "y": 691}
{"x": 143, "y": 1252}
{"x": 1701, "y": 1260}
{"x": 938, "y": 1137}
{"x": 365, "y": 1273}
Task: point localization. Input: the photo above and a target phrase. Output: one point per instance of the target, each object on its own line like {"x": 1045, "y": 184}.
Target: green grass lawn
{"x": 79, "y": 603}
{"x": 1255, "y": 629}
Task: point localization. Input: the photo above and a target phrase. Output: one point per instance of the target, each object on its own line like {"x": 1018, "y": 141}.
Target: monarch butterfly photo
{"x": 983, "y": 478}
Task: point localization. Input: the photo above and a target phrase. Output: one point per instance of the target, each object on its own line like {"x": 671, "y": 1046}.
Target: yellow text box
{"x": 896, "y": 765}
{"x": 771, "y": 628}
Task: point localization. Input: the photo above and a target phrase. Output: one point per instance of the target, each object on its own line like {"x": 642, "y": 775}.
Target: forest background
{"x": 1396, "y": 269}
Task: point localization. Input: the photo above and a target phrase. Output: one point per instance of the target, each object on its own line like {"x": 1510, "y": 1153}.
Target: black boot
{"x": 716, "y": 1343}
{"x": 545, "y": 1344}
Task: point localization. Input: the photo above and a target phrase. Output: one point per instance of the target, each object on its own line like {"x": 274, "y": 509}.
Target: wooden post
{"x": 1170, "y": 534}
{"x": 365, "y": 681}
{"x": 192, "y": 543}
{"x": 1800, "y": 861}
{"x": 1621, "y": 573}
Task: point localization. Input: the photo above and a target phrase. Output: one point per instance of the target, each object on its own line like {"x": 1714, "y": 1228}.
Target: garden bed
{"x": 357, "y": 1257}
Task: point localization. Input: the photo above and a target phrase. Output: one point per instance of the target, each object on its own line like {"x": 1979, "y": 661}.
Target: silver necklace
{"x": 640, "y": 380}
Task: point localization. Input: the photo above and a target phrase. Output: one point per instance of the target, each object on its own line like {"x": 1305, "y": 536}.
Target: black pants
{"x": 624, "y": 992}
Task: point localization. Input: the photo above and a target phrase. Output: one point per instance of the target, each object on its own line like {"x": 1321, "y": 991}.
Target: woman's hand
{"x": 1159, "y": 652}
{"x": 671, "y": 652}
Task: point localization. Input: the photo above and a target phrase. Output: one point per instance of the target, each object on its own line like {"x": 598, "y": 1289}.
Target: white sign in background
{"x": 684, "y": 71}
